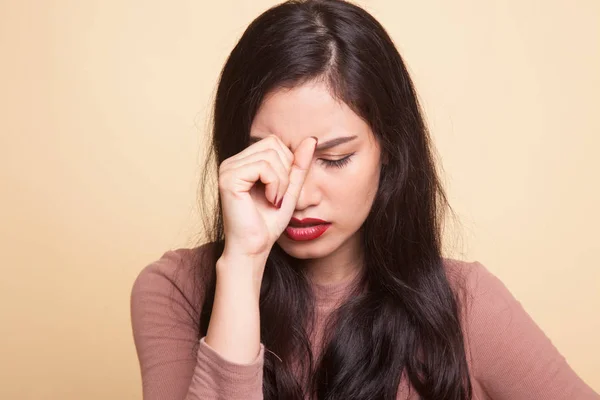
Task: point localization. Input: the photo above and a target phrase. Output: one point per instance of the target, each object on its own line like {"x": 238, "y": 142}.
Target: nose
{"x": 310, "y": 194}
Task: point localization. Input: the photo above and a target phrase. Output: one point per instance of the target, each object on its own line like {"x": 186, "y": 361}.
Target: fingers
{"x": 271, "y": 162}
{"x": 242, "y": 179}
{"x": 282, "y": 171}
{"x": 270, "y": 142}
{"x": 302, "y": 162}
{"x": 275, "y": 152}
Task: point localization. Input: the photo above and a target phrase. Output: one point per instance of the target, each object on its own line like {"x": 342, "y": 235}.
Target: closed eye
{"x": 342, "y": 162}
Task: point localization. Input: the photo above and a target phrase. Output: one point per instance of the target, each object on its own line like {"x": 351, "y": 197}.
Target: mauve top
{"x": 509, "y": 356}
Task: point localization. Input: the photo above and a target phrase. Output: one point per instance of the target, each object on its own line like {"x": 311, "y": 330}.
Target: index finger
{"x": 302, "y": 162}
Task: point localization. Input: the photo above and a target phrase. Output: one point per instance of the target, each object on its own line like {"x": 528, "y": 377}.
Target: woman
{"x": 323, "y": 277}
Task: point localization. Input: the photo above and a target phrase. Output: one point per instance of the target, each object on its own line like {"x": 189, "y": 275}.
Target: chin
{"x": 304, "y": 250}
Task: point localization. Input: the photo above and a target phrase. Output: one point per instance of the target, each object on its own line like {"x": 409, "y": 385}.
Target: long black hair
{"x": 407, "y": 320}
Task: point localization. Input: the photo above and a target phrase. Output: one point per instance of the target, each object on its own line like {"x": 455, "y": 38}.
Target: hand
{"x": 259, "y": 189}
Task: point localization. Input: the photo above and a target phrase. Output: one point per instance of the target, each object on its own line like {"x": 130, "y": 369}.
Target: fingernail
{"x": 280, "y": 202}
{"x": 275, "y": 202}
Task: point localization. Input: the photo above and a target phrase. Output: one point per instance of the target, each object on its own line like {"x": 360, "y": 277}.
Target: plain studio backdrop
{"x": 104, "y": 109}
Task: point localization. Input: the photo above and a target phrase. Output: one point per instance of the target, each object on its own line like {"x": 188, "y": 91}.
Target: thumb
{"x": 302, "y": 162}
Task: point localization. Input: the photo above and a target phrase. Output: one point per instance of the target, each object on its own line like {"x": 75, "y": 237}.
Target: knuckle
{"x": 222, "y": 181}
{"x": 223, "y": 175}
{"x": 275, "y": 141}
{"x": 272, "y": 153}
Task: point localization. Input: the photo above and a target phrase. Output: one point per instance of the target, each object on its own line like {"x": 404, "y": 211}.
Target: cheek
{"x": 353, "y": 190}
{"x": 363, "y": 178}
{"x": 364, "y": 187}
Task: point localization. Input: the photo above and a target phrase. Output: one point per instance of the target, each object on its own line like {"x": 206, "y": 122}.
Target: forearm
{"x": 234, "y": 327}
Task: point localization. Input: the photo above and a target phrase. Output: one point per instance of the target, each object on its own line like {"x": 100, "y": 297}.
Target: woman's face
{"x": 343, "y": 179}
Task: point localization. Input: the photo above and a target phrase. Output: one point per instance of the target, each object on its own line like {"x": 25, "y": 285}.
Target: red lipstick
{"x": 306, "y": 229}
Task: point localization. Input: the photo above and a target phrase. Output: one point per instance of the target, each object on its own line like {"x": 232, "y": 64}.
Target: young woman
{"x": 323, "y": 277}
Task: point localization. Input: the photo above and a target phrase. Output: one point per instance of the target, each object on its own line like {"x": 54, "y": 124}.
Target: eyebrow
{"x": 321, "y": 146}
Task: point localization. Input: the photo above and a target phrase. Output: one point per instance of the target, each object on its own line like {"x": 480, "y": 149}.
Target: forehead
{"x": 307, "y": 110}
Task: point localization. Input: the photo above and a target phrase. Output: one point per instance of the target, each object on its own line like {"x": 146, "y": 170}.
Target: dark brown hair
{"x": 407, "y": 321}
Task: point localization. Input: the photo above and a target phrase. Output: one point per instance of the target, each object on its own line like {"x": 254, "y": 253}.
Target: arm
{"x": 512, "y": 358}
{"x": 234, "y": 328}
{"x": 174, "y": 364}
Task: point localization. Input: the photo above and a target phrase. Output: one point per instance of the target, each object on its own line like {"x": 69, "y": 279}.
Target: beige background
{"x": 103, "y": 108}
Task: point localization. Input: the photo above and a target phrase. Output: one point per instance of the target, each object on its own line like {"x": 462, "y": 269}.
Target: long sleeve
{"x": 174, "y": 363}
{"x": 512, "y": 358}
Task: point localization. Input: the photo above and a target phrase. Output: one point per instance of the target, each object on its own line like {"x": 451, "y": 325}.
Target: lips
{"x": 306, "y": 222}
{"x": 306, "y": 229}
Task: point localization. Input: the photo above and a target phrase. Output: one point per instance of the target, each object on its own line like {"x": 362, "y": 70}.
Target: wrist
{"x": 241, "y": 269}
{"x": 232, "y": 260}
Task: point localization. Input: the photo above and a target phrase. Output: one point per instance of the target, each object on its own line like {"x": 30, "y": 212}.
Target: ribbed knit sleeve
{"x": 512, "y": 358}
{"x": 174, "y": 363}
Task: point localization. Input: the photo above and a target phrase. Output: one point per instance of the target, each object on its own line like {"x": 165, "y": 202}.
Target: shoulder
{"x": 459, "y": 271}
{"x": 510, "y": 356}
{"x": 176, "y": 277}
{"x": 480, "y": 291}
{"x": 473, "y": 280}
{"x": 173, "y": 269}
{"x": 487, "y": 308}
{"x": 481, "y": 295}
